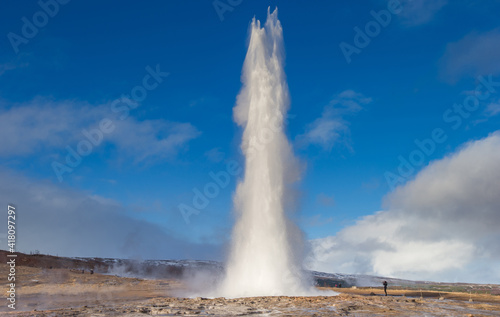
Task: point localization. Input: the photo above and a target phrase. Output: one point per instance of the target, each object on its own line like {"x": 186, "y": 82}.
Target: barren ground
{"x": 66, "y": 292}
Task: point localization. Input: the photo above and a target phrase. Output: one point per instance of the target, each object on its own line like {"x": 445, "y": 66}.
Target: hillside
{"x": 177, "y": 269}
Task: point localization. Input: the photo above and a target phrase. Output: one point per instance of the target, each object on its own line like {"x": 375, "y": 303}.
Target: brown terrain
{"x": 52, "y": 286}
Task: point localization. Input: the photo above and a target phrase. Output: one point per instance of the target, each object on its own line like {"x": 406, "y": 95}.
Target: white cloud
{"x": 475, "y": 54}
{"x": 331, "y": 127}
{"x": 493, "y": 109}
{"x": 152, "y": 139}
{"x": 441, "y": 226}
{"x": 68, "y": 222}
{"x": 417, "y": 12}
{"x": 44, "y": 125}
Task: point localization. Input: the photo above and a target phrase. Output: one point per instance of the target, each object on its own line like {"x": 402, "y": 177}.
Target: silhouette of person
{"x": 385, "y": 287}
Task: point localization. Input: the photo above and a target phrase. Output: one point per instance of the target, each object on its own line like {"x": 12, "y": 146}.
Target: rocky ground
{"x": 68, "y": 292}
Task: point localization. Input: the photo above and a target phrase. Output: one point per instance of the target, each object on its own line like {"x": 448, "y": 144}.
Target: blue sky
{"x": 349, "y": 121}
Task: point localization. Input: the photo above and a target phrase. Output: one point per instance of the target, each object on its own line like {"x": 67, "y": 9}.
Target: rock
{"x": 144, "y": 310}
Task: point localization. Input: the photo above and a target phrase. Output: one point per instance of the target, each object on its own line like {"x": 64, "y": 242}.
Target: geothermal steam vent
{"x": 266, "y": 252}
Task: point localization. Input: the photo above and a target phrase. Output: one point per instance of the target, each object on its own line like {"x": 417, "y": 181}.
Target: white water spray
{"x": 267, "y": 248}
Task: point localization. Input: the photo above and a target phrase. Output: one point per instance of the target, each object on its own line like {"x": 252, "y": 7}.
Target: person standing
{"x": 385, "y": 287}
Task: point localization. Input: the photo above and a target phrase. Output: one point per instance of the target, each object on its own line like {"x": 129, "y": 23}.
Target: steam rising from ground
{"x": 267, "y": 249}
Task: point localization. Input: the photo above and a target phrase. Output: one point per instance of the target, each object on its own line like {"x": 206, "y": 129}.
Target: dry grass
{"x": 65, "y": 292}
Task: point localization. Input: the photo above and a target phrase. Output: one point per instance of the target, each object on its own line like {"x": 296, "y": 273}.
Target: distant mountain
{"x": 177, "y": 269}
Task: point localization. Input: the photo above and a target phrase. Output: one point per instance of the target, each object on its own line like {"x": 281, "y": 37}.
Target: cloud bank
{"x": 441, "y": 226}
{"x": 44, "y": 126}
{"x": 56, "y": 220}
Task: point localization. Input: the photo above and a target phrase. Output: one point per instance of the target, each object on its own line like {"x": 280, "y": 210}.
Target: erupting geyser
{"x": 266, "y": 252}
